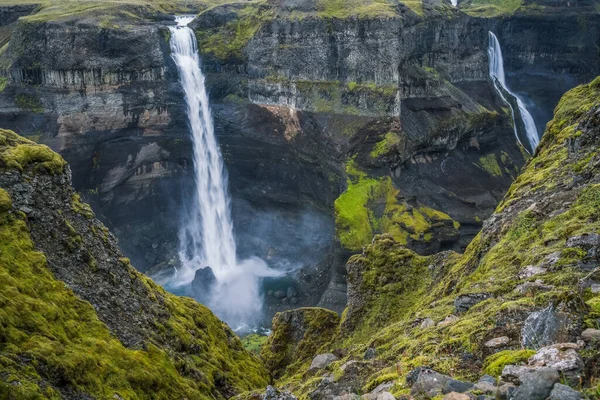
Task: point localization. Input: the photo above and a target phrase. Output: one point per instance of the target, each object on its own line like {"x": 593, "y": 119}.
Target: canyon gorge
{"x": 400, "y": 164}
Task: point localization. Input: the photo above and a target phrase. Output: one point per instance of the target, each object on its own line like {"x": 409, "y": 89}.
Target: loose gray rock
{"x": 487, "y": 378}
{"x": 562, "y": 357}
{"x": 465, "y": 301}
{"x": 531, "y": 270}
{"x": 449, "y": 320}
{"x": 537, "y": 385}
{"x": 370, "y": 353}
{"x": 543, "y": 328}
{"x": 497, "y": 342}
{"x": 515, "y": 373}
{"x": 454, "y": 385}
{"x": 274, "y": 394}
{"x": 590, "y": 334}
{"x": 427, "y": 323}
{"x": 506, "y": 391}
{"x": 564, "y": 392}
{"x": 429, "y": 383}
{"x": 537, "y": 286}
{"x": 322, "y": 361}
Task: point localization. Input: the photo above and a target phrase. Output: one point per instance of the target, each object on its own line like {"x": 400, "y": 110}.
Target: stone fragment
{"x": 322, "y": 361}
{"x": 485, "y": 387}
{"x": 595, "y": 287}
{"x": 537, "y": 286}
{"x": 497, "y": 342}
{"x": 564, "y": 392}
{"x": 465, "y": 301}
{"x": 590, "y": 334}
{"x": 585, "y": 241}
{"x": 543, "y": 328}
{"x": 515, "y": 373}
{"x": 456, "y": 396}
{"x": 531, "y": 270}
{"x": 429, "y": 383}
{"x": 562, "y": 357}
{"x": 506, "y": 391}
{"x": 454, "y": 385}
{"x": 449, "y": 320}
{"x": 347, "y": 396}
{"x": 370, "y": 353}
{"x": 427, "y": 323}
{"x": 274, "y": 394}
{"x": 537, "y": 385}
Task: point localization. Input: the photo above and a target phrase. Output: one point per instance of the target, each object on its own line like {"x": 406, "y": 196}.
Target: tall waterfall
{"x": 496, "y": 65}
{"x": 206, "y": 236}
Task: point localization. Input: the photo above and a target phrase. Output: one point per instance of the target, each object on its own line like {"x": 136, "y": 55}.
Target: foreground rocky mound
{"x": 515, "y": 316}
{"x": 77, "y": 320}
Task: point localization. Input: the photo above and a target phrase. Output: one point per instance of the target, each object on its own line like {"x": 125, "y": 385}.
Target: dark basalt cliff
{"x": 77, "y": 321}
{"x": 333, "y": 127}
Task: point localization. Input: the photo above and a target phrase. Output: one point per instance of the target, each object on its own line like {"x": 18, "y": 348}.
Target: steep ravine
{"x": 77, "y": 321}
{"x": 514, "y": 317}
{"x": 305, "y": 108}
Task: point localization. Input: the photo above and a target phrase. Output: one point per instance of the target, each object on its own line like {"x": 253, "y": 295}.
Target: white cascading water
{"x": 496, "y": 66}
{"x": 206, "y": 237}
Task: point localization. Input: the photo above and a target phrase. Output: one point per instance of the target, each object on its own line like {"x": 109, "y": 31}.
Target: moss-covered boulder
{"x": 77, "y": 320}
{"x": 297, "y": 337}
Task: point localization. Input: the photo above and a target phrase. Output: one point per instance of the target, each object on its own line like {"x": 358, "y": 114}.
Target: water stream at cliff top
{"x": 496, "y": 66}
{"x": 206, "y": 236}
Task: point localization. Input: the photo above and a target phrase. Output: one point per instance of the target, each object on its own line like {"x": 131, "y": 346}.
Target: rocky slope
{"x": 77, "y": 321}
{"x": 520, "y": 305}
{"x": 334, "y": 125}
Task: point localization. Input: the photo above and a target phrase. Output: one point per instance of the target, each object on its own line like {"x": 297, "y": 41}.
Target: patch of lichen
{"x": 226, "y": 42}
{"x": 297, "y": 337}
{"x": 254, "y": 342}
{"x": 20, "y": 153}
{"x": 492, "y": 8}
{"x": 5, "y": 201}
{"x": 389, "y": 142}
{"x": 489, "y": 163}
{"x": 494, "y": 364}
{"x": 373, "y": 205}
{"x": 391, "y": 289}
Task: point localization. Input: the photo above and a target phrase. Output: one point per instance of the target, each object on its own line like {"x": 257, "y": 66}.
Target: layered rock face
{"x": 78, "y": 321}
{"x": 519, "y": 307}
{"x": 317, "y": 114}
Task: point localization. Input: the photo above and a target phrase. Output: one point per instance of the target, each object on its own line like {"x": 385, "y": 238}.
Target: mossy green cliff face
{"x": 77, "y": 320}
{"x": 539, "y": 249}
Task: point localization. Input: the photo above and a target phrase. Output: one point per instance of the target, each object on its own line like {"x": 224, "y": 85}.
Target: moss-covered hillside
{"x": 538, "y": 251}
{"x": 77, "y": 320}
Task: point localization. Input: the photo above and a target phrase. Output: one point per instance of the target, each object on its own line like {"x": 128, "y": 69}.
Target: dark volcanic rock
{"x": 203, "y": 284}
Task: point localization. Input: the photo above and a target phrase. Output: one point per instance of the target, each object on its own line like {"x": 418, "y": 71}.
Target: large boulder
{"x": 322, "y": 361}
{"x": 537, "y": 385}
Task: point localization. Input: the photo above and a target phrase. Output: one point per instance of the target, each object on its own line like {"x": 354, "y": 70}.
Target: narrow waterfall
{"x": 496, "y": 67}
{"x": 206, "y": 236}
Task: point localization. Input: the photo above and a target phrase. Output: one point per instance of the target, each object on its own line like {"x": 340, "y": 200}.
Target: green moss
{"x": 297, "y": 337}
{"x": 20, "y": 153}
{"x": 5, "y": 201}
{"x": 344, "y": 9}
{"x": 358, "y": 218}
{"x": 495, "y": 363}
{"x": 227, "y": 42}
{"x": 383, "y": 147}
{"x": 490, "y": 165}
{"x": 29, "y": 103}
{"x": 254, "y": 342}
{"x": 3, "y": 83}
{"x": 492, "y": 8}
{"x": 82, "y": 208}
